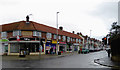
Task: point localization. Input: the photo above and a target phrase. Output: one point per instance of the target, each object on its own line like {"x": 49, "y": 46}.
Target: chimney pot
{"x": 61, "y": 28}
{"x": 73, "y": 32}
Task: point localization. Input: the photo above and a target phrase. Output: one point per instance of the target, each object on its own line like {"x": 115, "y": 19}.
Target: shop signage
{"x": 27, "y": 33}
{"x": 54, "y": 41}
{"x": 62, "y": 42}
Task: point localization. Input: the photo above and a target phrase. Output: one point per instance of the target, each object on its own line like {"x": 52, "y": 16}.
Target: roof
{"x": 22, "y": 25}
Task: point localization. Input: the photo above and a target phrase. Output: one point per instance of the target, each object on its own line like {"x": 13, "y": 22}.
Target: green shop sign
{"x": 4, "y": 40}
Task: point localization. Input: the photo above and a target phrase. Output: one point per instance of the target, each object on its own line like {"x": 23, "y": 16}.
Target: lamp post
{"x": 57, "y": 30}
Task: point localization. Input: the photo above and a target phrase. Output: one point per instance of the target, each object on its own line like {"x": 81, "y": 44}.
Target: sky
{"x": 75, "y": 15}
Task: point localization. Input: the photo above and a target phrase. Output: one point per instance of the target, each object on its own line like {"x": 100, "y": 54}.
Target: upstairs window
{"x": 34, "y": 33}
{"x": 76, "y": 40}
{"x": 79, "y": 40}
{"x": 17, "y": 33}
{"x": 3, "y": 34}
{"x": 71, "y": 39}
{"x": 68, "y": 39}
{"x": 59, "y": 37}
{"x": 39, "y": 34}
{"x": 49, "y": 35}
{"x": 64, "y": 38}
{"x": 55, "y": 36}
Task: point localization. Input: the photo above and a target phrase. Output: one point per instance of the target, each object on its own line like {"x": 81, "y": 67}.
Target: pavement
{"x": 38, "y": 57}
{"x": 106, "y": 61}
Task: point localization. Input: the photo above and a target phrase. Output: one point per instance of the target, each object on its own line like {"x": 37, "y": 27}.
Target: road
{"x": 74, "y": 61}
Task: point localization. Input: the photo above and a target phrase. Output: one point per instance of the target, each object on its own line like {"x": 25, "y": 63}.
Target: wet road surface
{"x": 74, "y": 61}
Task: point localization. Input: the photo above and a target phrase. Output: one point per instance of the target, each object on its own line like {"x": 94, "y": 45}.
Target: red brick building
{"x": 36, "y": 38}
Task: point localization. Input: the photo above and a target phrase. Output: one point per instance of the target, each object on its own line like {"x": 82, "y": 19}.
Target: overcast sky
{"x": 75, "y": 15}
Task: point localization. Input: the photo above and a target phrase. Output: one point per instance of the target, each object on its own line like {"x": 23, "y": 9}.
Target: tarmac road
{"x": 73, "y": 61}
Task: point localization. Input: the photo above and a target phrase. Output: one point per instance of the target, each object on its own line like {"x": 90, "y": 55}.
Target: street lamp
{"x": 57, "y": 30}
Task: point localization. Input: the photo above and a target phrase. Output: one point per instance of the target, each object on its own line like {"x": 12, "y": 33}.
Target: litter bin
{"x": 59, "y": 53}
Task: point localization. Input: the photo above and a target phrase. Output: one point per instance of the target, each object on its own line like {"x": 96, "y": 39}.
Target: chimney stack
{"x": 73, "y": 32}
{"x": 27, "y": 19}
{"x": 78, "y": 33}
{"x": 61, "y": 28}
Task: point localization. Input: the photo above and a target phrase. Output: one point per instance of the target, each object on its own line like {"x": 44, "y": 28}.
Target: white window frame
{"x": 3, "y": 34}
{"x": 55, "y": 36}
{"x": 76, "y": 40}
{"x": 34, "y": 33}
{"x": 17, "y": 33}
{"x": 71, "y": 39}
{"x": 64, "y": 38}
{"x": 79, "y": 40}
{"x": 59, "y": 37}
{"x": 68, "y": 39}
{"x": 39, "y": 34}
{"x": 49, "y": 35}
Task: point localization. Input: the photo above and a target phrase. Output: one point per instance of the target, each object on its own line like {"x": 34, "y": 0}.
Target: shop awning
{"x": 24, "y": 42}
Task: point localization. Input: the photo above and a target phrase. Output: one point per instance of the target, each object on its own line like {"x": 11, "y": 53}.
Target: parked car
{"x": 84, "y": 50}
{"x": 91, "y": 49}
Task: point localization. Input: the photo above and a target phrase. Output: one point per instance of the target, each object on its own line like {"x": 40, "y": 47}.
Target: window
{"x": 39, "y": 34}
{"x": 68, "y": 39}
{"x": 49, "y": 35}
{"x": 55, "y": 36}
{"x": 79, "y": 40}
{"x": 59, "y": 37}
{"x": 3, "y": 34}
{"x": 16, "y": 33}
{"x": 34, "y": 33}
{"x": 64, "y": 38}
{"x": 76, "y": 40}
{"x": 71, "y": 39}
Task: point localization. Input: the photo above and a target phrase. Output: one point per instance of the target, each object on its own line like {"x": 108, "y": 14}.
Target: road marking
{"x": 27, "y": 67}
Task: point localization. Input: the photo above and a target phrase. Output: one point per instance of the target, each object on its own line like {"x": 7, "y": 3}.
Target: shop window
{"x": 14, "y": 48}
{"x": 3, "y": 34}
{"x": 17, "y": 33}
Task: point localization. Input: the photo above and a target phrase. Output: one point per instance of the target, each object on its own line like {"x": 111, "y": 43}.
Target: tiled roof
{"x": 22, "y": 25}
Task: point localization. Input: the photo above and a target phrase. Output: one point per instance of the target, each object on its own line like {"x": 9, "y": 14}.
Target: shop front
{"x": 54, "y": 43}
{"x": 23, "y": 47}
{"x": 4, "y": 46}
{"x": 48, "y": 46}
{"x": 62, "y": 46}
{"x": 69, "y": 47}
{"x": 76, "y": 47}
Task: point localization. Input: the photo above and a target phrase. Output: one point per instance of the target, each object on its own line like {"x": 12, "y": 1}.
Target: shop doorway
{"x": 28, "y": 48}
